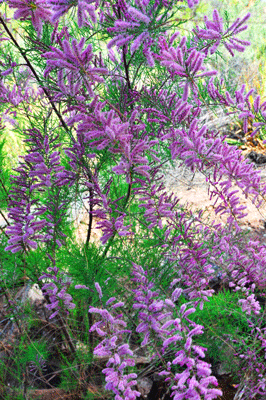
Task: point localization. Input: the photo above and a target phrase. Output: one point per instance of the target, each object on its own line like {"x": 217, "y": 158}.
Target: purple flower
{"x": 195, "y": 379}
{"x": 85, "y": 10}
{"x": 214, "y": 33}
{"x": 156, "y": 322}
{"x": 71, "y": 58}
{"x": 203, "y": 149}
{"x": 120, "y": 355}
{"x": 56, "y": 290}
{"x": 38, "y": 172}
{"x": 37, "y": 10}
{"x": 39, "y": 364}
{"x": 185, "y": 63}
{"x": 110, "y": 228}
{"x": 152, "y": 309}
{"x": 250, "y": 304}
{"x": 138, "y": 15}
{"x": 135, "y": 26}
{"x": 192, "y": 3}
{"x": 243, "y": 273}
{"x": 99, "y": 290}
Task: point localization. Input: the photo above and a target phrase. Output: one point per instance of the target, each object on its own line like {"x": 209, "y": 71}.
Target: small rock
{"x": 257, "y": 157}
{"x": 35, "y": 293}
{"x": 144, "y": 386}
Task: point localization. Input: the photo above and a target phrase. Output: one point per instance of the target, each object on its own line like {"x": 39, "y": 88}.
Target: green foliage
{"x": 223, "y": 314}
{"x": 4, "y": 177}
{"x": 32, "y": 351}
{"x": 226, "y": 328}
{"x": 69, "y": 374}
{"x": 11, "y": 265}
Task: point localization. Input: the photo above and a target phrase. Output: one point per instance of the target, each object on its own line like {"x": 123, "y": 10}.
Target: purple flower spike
{"x": 85, "y": 10}
{"x": 99, "y": 290}
{"x": 185, "y": 64}
{"x": 159, "y": 324}
{"x": 37, "y": 10}
{"x": 56, "y": 290}
{"x": 71, "y": 58}
{"x": 40, "y": 171}
{"x": 120, "y": 355}
{"x": 192, "y": 3}
{"x": 152, "y": 309}
{"x": 214, "y": 34}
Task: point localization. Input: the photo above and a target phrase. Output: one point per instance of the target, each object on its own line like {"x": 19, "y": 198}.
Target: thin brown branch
{"x": 90, "y": 218}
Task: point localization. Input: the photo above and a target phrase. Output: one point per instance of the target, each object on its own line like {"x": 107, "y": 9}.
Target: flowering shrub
{"x": 120, "y": 92}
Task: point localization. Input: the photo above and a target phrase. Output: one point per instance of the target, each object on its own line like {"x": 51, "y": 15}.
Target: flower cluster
{"x": 222, "y": 165}
{"x": 152, "y": 307}
{"x": 187, "y": 64}
{"x": 134, "y": 30}
{"x": 120, "y": 355}
{"x": 39, "y": 171}
{"x": 13, "y": 96}
{"x": 36, "y": 366}
{"x": 71, "y": 58}
{"x": 56, "y": 291}
{"x": 196, "y": 376}
{"x": 244, "y": 274}
{"x": 215, "y": 34}
{"x": 100, "y": 130}
{"x": 140, "y": 25}
{"x": 194, "y": 381}
{"x": 170, "y": 110}
{"x": 241, "y": 105}
{"x": 38, "y": 11}
{"x": 7, "y": 69}
{"x": 85, "y": 12}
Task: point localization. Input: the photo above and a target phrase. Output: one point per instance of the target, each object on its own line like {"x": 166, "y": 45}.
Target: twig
{"x": 90, "y": 218}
